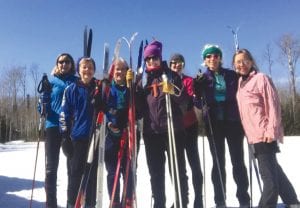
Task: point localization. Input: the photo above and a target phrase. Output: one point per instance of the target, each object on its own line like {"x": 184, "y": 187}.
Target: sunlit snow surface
{"x": 17, "y": 161}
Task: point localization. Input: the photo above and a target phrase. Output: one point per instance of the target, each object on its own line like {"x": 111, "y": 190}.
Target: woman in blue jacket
{"x": 81, "y": 103}
{"x": 63, "y": 75}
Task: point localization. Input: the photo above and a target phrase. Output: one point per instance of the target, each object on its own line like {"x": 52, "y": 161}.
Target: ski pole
{"x": 250, "y": 177}
{"x": 254, "y": 162}
{"x": 41, "y": 136}
{"x": 205, "y": 110}
{"x": 123, "y": 144}
{"x": 172, "y": 144}
{"x": 204, "y": 167}
{"x": 43, "y": 87}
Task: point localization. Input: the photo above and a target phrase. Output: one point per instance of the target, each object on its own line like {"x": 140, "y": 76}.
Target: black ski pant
{"x": 78, "y": 165}
{"x": 192, "y": 152}
{"x": 233, "y": 132}
{"x": 156, "y": 145}
{"x": 275, "y": 181}
{"x": 52, "y": 149}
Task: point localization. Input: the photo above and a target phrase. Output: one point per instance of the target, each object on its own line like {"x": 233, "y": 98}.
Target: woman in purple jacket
{"x": 152, "y": 103}
{"x": 260, "y": 112}
{"x": 217, "y": 88}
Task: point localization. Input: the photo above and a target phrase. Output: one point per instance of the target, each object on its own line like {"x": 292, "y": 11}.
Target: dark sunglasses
{"x": 177, "y": 62}
{"x": 212, "y": 55}
{"x": 64, "y": 61}
{"x": 153, "y": 58}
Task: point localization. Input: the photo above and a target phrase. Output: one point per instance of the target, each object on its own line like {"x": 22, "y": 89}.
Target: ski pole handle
{"x": 167, "y": 87}
{"x": 129, "y": 77}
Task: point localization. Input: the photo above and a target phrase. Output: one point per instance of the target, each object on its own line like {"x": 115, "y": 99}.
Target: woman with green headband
{"x": 216, "y": 88}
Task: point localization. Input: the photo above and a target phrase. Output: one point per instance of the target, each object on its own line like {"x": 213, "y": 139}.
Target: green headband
{"x": 212, "y": 50}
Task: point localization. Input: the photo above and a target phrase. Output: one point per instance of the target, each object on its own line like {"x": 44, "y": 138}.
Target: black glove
{"x": 106, "y": 82}
{"x": 44, "y": 88}
{"x": 199, "y": 84}
{"x": 44, "y": 103}
{"x": 97, "y": 96}
{"x": 67, "y": 147}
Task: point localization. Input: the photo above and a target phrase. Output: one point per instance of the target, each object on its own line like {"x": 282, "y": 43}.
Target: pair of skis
{"x": 129, "y": 142}
{"x": 81, "y": 196}
{"x": 102, "y": 121}
{"x": 98, "y": 135}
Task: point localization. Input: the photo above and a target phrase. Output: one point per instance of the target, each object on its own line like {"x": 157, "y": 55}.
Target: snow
{"x": 17, "y": 161}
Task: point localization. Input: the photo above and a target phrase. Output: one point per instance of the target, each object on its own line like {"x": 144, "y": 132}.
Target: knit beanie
{"x": 153, "y": 49}
{"x": 176, "y": 57}
{"x": 87, "y": 58}
{"x": 211, "y": 49}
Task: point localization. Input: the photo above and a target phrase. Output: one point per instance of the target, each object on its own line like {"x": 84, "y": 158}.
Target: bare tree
{"x": 268, "y": 57}
{"x": 12, "y": 80}
{"x": 290, "y": 50}
{"x": 35, "y": 76}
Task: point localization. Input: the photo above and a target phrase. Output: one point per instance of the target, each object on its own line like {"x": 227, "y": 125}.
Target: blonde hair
{"x": 122, "y": 61}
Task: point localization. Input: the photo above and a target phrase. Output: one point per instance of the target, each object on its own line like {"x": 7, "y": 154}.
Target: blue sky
{"x": 36, "y": 31}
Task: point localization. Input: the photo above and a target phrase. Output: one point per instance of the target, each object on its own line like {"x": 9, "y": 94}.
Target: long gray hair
{"x": 248, "y": 55}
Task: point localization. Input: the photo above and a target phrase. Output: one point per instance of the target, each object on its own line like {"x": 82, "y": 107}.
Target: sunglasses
{"x": 153, "y": 58}
{"x": 212, "y": 55}
{"x": 177, "y": 62}
{"x": 244, "y": 62}
{"x": 64, "y": 61}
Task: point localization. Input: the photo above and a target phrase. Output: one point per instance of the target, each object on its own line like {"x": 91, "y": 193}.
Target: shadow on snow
{"x": 11, "y": 200}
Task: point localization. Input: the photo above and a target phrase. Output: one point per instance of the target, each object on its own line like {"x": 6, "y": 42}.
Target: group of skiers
{"x": 234, "y": 103}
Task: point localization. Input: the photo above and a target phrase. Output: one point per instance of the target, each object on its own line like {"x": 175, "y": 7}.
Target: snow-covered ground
{"x": 17, "y": 165}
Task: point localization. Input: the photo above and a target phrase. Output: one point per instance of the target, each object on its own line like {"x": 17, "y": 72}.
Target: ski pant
{"x": 78, "y": 165}
{"x": 274, "y": 179}
{"x": 192, "y": 152}
{"x": 52, "y": 149}
{"x": 156, "y": 145}
{"x": 234, "y": 134}
{"x": 112, "y": 149}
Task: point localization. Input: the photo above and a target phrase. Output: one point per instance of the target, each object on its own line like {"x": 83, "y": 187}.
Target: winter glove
{"x": 166, "y": 86}
{"x": 112, "y": 128}
{"x": 106, "y": 82}
{"x": 44, "y": 88}
{"x": 129, "y": 76}
{"x": 67, "y": 146}
{"x": 97, "y": 96}
{"x": 199, "y": 84}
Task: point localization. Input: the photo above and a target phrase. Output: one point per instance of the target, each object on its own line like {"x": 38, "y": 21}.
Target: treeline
{"x": 18, "y": 104}
{"x": 21, "y": 120}
{"x": 18, "y": 108}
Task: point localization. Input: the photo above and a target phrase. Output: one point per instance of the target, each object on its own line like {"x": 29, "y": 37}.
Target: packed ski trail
{"x": 17, "y": 165}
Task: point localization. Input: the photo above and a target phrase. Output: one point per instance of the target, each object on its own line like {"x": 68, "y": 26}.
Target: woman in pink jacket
{"x": 260, "y": 112}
